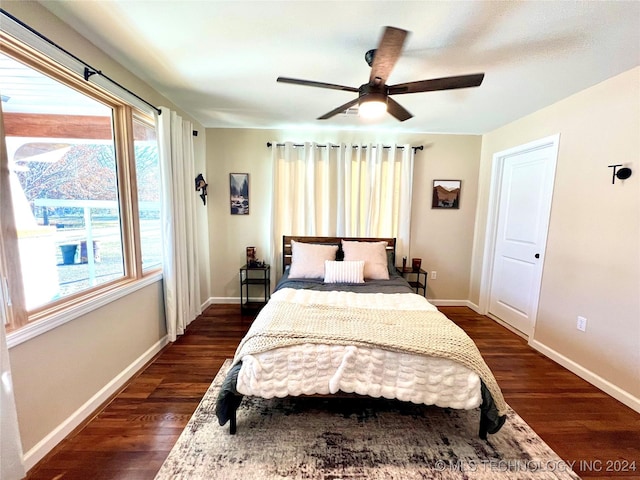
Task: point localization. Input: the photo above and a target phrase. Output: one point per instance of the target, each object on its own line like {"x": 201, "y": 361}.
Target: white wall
{"x": 592, "y": 261}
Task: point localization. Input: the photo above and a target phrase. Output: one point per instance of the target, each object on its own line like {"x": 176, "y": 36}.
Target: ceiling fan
{"x": 374, "y": 96}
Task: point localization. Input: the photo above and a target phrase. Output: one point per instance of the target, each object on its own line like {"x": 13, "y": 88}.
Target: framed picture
{"x": 251, "y": 256}
{"x": 446, "y": 194}
{"x": 239, "y": 193}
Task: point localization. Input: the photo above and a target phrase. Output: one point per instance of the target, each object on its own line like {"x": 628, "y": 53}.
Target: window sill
{"x": 39, "y": 327}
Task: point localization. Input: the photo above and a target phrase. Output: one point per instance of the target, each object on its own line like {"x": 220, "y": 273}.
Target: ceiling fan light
{"x": 372, "y": 108}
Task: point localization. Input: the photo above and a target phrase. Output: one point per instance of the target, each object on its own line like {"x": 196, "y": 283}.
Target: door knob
{"x": 537, "y": 255}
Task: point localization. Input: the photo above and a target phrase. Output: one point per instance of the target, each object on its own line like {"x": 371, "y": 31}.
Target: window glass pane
{"x": 148, "y": 181}
{"x": 64, "y": 185}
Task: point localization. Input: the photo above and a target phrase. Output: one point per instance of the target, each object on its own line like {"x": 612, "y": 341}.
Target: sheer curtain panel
{"x": 179, "y": 227}
{"x": 11, "y": 464}
{"x": 341, "y": 190}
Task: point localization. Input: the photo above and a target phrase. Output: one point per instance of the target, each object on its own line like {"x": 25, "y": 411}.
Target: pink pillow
{"x": 307, "y": 259}
{"x": 374, "y": 255}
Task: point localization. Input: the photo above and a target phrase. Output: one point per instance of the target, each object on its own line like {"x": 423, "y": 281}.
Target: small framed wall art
{"x": 239, "y": 193}
{"x": 251, "y": 256}
{"x": 446, "y": 194}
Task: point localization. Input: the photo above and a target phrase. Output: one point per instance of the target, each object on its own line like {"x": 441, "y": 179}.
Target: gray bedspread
{"x": 395, "y": 284}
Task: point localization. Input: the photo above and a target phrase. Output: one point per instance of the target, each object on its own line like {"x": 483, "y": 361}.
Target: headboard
{"x": 286, "y": 244}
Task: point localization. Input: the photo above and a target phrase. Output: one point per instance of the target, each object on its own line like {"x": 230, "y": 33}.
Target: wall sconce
{"x": 201, "y": 185}
{"x": 621, "y": 174}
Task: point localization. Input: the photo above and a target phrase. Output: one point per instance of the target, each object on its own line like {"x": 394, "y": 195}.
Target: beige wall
{"x": 442, "y": 238}
{"x": 57, "y": 372}
{"x": 592, "y": 264}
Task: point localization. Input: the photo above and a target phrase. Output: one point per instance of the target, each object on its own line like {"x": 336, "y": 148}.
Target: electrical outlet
{"x": 581, "y": 324}
{"x": 434, "y": 275}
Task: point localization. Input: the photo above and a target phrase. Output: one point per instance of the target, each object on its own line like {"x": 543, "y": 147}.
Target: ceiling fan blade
{"x": 446, "y": 83}
{"x": 311, "y": 83}
{"x": 387, "y": 53}
{"x": 397, "y": 110}
{"x": 338, "y": 110}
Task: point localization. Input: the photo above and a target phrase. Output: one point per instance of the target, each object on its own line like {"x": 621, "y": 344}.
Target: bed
{"x": 342, "y": 321}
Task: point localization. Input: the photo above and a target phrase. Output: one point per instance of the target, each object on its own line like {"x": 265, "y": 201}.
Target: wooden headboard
{"x": 286, "y": 244}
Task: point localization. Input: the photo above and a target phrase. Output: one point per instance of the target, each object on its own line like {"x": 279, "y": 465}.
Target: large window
{"x": 85, "y": 200}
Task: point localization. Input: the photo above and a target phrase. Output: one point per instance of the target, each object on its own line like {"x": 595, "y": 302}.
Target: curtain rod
{"x": 88, "y": 69}
{"x": 416, "y": 148}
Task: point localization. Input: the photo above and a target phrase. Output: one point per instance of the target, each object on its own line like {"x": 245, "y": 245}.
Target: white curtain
{"x": 11, "y": 465}
{"x": 179, "y": 227}
{"x": 341, "y": 190}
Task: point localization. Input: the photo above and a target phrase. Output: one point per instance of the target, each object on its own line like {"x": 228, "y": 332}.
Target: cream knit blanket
{"x": 423, "y": 332}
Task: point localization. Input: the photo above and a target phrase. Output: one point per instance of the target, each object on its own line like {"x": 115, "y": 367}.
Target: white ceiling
{"x": 219, "y": 60}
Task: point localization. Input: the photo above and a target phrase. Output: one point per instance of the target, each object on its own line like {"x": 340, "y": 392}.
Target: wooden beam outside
{"x": 66, "y": 126}
{"x": 58, "y": 126}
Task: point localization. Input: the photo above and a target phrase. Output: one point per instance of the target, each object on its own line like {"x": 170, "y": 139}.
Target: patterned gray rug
{"x": 322, "y": 439}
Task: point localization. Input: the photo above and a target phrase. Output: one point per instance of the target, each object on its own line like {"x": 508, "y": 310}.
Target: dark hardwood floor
{"x": 131, "y": 437}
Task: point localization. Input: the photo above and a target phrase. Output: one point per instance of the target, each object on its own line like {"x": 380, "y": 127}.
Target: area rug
{"x": 322, "y": 439}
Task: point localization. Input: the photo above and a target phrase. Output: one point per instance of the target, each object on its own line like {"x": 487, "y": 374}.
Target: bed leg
{"x": 232, "y": 423}
{"x": 484, "y": 426}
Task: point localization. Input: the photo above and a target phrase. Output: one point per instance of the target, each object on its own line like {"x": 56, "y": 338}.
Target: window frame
{"x": 26, "y": 325}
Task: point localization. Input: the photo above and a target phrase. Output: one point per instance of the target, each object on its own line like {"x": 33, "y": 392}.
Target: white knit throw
{"x": 422, "y": 332}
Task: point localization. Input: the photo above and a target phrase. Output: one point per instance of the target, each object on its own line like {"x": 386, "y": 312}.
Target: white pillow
{"x": 307, "y": 259}
{"x": 374, "y": 255}
{"x": 344, "y": 272}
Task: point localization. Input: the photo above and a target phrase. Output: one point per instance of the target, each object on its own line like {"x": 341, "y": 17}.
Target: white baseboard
{"x": 591, "y": 377}
{"x": 223, "y": 300}
{"x": 231, "y": 300}
{"x": 449, "y": 303}
{"x": 207, "y": 303}
{"x": 44, "y": 446}
{"x": 475, "y": 308}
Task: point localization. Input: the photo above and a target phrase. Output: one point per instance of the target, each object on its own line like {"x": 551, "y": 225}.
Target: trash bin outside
{"x": 69, "y": 253}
